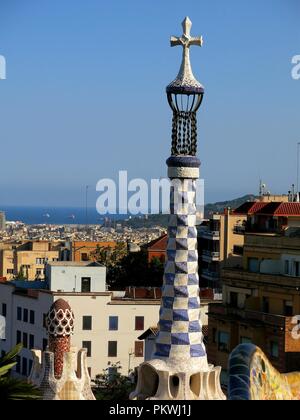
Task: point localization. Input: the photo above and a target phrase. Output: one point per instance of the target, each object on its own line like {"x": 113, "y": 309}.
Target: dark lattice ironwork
{"x": 184, "y": 133}
{"x": 184, "y": 124}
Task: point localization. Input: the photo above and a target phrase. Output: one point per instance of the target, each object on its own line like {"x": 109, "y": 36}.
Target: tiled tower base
{"x": 179, "y": 369}
{"x": 74, "y": 382}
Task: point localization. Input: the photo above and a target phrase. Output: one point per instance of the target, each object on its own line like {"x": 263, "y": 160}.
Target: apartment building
{"x": 261, "y": 298}
{"x": 107, "y": 324}
{"x": 27, "y": 259}
{"x": 2, "y": 221}
{"x": 220, "y": 244}
{"x": 84, "y": 250}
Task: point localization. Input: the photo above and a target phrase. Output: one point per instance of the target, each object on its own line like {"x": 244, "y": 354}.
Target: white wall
{"x": 68, "y": 278}
{"x": 39, "y": 306}
{"x": 100, "y": 307}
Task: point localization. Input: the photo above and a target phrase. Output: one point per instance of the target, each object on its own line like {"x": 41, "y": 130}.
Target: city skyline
{"x": 80, "y": 104}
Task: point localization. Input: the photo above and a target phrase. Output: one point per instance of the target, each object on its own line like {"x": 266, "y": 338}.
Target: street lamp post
{"x": 86, "y": 204}
{"x": 298, "y": 160}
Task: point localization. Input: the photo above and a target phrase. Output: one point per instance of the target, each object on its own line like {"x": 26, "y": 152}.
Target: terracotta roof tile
{"x": 159, "y": 244}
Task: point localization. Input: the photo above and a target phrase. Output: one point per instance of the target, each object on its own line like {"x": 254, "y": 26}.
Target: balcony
{"x": 249, "y": 316}
{"x": 243, "y": 278}
{"x": 210, "y": 234}
{"x": 210, "y": 275}
{"x": 210, "y": 256}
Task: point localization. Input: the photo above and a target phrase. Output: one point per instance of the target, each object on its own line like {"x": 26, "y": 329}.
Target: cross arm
{"x": 174, "y": 41}
{"x": 196, "y": 41}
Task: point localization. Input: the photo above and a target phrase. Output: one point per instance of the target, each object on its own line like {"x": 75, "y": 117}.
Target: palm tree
{"x": 12, "y": 388}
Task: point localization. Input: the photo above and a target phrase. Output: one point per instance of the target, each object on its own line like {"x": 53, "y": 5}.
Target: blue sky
{"x": 85, "y": 94}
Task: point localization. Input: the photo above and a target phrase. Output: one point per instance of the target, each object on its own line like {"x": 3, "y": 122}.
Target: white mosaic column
{"x": 179, "y": 369}
{"x": 180, "y": 340}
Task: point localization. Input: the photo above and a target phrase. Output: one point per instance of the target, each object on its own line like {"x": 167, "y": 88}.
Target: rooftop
{"x": 273, "y": 208}
{"x": 74, "y": 264}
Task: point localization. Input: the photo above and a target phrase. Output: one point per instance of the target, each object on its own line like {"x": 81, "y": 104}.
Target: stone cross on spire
{"x": 185, "y": 79}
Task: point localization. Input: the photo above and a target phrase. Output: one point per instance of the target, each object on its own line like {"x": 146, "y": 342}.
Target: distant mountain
{"x": 162, "y": 219}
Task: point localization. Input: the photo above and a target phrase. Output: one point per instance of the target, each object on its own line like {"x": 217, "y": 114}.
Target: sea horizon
{"x": 57, "y": 215}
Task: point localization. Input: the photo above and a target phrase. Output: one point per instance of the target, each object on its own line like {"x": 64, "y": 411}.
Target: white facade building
{"x": 69, "y": 276}
{"x": 107, "y": 327}
{"x": 106, "y": 323}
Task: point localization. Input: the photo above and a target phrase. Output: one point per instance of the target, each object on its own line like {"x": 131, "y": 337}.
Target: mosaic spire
{"x": 179, "y": 368}
{"x": 60, "y": 327}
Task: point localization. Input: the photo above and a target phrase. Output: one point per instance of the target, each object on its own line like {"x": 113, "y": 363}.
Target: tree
{"x": 12, "y": 388}
{"x": 156, "y": 272}
{"x": 129, "y": 268}
{"x": 110, "y": 256}
{"x": 138, "y": 272}
{"x": 21, "y": 275}
{"x": 112, "y": 385}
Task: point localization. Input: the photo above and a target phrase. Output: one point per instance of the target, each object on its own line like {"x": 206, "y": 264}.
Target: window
{"x": 31, "y": 341}
{"x": 31, "y": 317}
{"x": 10, "y": 271}
{"x": 45, "y": 344}
{"x": 18, "y": 365}
{"x": 265, "y": 305}
{"x": 234, "y": 299}
{"x": 24, "y": 366}
{"x": 29, "y": 366}
{"x": 253, "y": 265}
{"x": 139, "y": 348}
{"x": 19, "y": 313}
{"x": 25, "y": 340}
{"x": 39, "y": 271}
{"x": 84, "y": 257}
{"x": 18, "y": 337}
{"x": 86, "y": 322}
{"x": 287, "y": 267}
{"x": 85, "y": 285}
{"x": 44, "y": 320}
{"x": 238, "y": 250}
{"x": 288, "y": 308}
{"x": 4, "y": 309}
{"x": 274, "y": 349}
{"x": 112, "y": 349}
{"x": 113, "y": 323}
{"x": 25, "y": 315}
{"x": 214, "y": 335}
{"x": 223, "y": 341}
{"x": 139, "y": 323}
{"x": 245, "y": 340}
{"x": 297, "y": 269}
{"x": 87, "y": 345}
